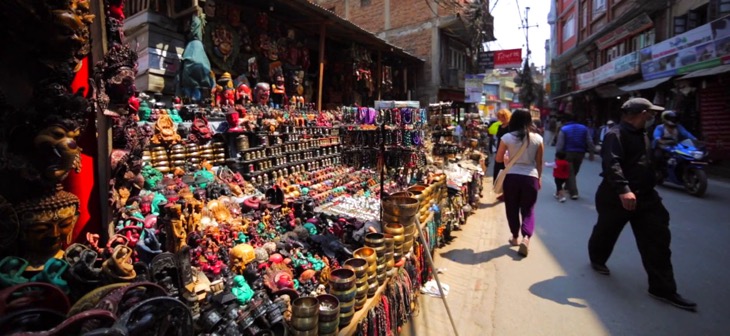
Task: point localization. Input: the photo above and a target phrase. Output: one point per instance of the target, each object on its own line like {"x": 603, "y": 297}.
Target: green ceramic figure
{"x": 241, "y": 290}
{"x": 311, "y": 228}
{"x": 203, "y": 177}
{"x": 151, "y": 176}
{"x": 157, "y": 201}
{"x": 53, "y": 273}
{"x": 144, "y": 111}
{"x": 175, "y": 115}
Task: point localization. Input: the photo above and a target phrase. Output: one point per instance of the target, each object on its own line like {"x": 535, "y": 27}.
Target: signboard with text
{"x": 618, "y": 68}
{"x": 506, "y": 59}
{"x": 473, "y": 88}
{"x": 485, "y": 61}
{"x": 703, "y": 47}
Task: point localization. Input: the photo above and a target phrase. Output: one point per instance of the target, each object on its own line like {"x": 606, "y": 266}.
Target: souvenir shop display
{"x": 236, "y": 208}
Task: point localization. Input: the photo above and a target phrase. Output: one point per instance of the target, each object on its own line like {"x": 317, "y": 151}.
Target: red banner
{"x": 506, "y": 59}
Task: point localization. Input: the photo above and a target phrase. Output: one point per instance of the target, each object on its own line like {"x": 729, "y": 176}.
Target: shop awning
{"x": 609, "y": 90}
{"x": 568, "y": 94}
{"x": 643, "y": 85}
{"x": 708, "y": 72}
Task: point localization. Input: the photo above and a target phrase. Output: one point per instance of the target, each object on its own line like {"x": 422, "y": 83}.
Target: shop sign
{"x": 507, "y": 95}
{"x": 515, "y": 105}
{"x": 485, "y": 60}
{"x": 473, "y": 88}
{"x": 491, "y": 92}
{"x": 618, "y": 68}
{"x": 506, "y": 59}
{"x": 635, "y": 26}
{"x": 706, "y": 46}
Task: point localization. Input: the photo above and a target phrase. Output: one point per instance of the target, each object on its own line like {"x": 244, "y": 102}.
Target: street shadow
{"x": 483, "y": 205}
{"x": 559, "y": 289}
{"x": 468, "y": 257}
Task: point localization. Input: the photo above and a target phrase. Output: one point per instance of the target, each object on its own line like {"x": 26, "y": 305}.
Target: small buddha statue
{"x": 46, "y": 225}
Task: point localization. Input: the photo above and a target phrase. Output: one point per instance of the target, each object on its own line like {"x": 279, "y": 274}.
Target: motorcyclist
{"x": 669, "y": 133}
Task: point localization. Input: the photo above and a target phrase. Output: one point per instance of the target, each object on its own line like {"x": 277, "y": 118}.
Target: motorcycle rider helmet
{"x": 669, "y": 118}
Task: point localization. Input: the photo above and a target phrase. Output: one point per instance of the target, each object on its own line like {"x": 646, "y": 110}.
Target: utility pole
{"x": 526, "y": 26}
{"x": 527, "y": 90}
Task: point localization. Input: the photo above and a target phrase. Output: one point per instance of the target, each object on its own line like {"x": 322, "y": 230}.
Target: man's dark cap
{"x": 637, "y": 105}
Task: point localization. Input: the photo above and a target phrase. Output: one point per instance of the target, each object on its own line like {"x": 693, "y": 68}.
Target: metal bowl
{"x": 345, "y": 296}
{"x": 400, "y": 206}
{"x": 394, "y": 229}
{"x": 329, "y": 326}
{"x": 389, "y": 218}
{"x": 304, "y": 323}
{"x": 359, "y": 265}
{"x": 366, "y": 253}
{"x": 346, "y": 318}
{"x": 347, "y": 306}
{"x": 305, "y": 307}
{"x": 329, "y": 308}
{"x": 374, "y": 239}
{"x": 342, "y": 279}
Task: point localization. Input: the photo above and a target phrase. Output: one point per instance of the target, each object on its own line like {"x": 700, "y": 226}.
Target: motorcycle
{"x": 684, "y": 164}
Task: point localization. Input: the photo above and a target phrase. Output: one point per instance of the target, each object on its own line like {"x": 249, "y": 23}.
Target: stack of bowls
{"x": 329, "y": 314}
{"x": 342, "y": 286}
{"x": 389, "y": 258}
{"x": 376, "y": 241}
{"x": 304, "y": 316}
{"x": 397, "y": 231}
{"x": 405, "y": 209}
{"x": 423, "y": 194}
{"x": 360, "y": 267}
{"x": 372, "y": 259}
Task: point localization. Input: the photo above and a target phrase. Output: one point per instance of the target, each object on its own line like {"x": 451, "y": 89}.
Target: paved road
{"x": 555, "y": 292}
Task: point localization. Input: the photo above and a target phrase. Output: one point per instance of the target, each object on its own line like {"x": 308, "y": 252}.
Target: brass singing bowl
{"x": 347, "y": 306}
{"x": 400, "y": 206}
{"x": 372, "y": 268}
{"x": 327, "y": 327}
{"x": 344, "y": 295}
{"x": 401, "y": 194}
{"x": 389, "y": 240}
{"x": 329, "y": 308}
{"x": 305, "y": 307}
{"x": 346, "y": 318}
{"x": 389, "y": 218}
{"x": 374, "y": 239}
{"x": 417, "y": 187}
{"x": 360, "y": 303}
{"x": 359, "y": 265}
{"x": 304, "y": 323}
{"x": 394, "y": 229}
{"x": 366, "y": 253}
{"x": 342, "y": 279}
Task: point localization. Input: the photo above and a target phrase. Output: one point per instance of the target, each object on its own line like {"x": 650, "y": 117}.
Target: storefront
{"x": 240, "y": 207}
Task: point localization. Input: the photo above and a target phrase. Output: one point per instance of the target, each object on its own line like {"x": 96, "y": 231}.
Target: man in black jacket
{"x": 627, "y": 194}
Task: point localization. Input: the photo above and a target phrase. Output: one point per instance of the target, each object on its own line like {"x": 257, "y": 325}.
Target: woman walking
{"x": 503, "y": 116}
{"x": 522, "y": 180}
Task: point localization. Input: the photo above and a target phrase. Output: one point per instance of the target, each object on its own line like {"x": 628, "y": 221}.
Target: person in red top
{"x": 561, "y": 172}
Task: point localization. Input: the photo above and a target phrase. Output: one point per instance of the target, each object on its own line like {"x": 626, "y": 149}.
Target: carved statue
{"x": 165, "y": 131}
{"x": 46, "y": 224}
{"x": 263, "y": 92}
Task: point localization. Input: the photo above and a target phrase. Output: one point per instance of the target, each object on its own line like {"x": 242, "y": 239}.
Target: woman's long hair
{"x": 520, "y": 123}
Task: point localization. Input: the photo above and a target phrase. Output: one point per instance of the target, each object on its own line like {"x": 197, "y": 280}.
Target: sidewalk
{"x": 469, "y": 274}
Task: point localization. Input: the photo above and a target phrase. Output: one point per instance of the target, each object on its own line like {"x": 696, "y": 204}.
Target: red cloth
{"x": 562, "y": 169}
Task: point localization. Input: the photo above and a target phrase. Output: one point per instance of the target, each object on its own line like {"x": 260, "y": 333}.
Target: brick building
{"x": 442, "y": 33}
{"x": 676, "y": 53}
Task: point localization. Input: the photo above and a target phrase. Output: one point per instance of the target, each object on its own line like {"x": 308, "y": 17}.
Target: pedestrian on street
{"x": 504, "y": 116}
{"x": 575, "y": 140}
{"x": 561, "y": 172}
{"x": 522, "y": 180}
{"x": 627, "y": 194}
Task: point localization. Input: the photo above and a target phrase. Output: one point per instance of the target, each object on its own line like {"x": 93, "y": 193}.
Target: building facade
{"x": 444, "y": 36}
{"x": 675, "y": 53}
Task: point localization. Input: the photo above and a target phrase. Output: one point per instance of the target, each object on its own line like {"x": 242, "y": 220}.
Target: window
{"x": 584, "y": 18}
{"x": 569, "y": 28}
{"x": 599, "y": 6}
{"x": 680, "y": 24}
{"x": 724, "y": 7}
{"x": 364, "y": 3}
{"x": 458, "y": 59}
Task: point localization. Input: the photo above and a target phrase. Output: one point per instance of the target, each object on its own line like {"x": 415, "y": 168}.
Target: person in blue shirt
{"x": 670, "y": 130}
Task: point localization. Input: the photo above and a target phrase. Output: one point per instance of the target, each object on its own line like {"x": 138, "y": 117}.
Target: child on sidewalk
{"x": 561, "y": 172}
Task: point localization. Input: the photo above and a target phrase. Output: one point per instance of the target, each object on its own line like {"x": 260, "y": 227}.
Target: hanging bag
{"x": 502, "y": 173}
